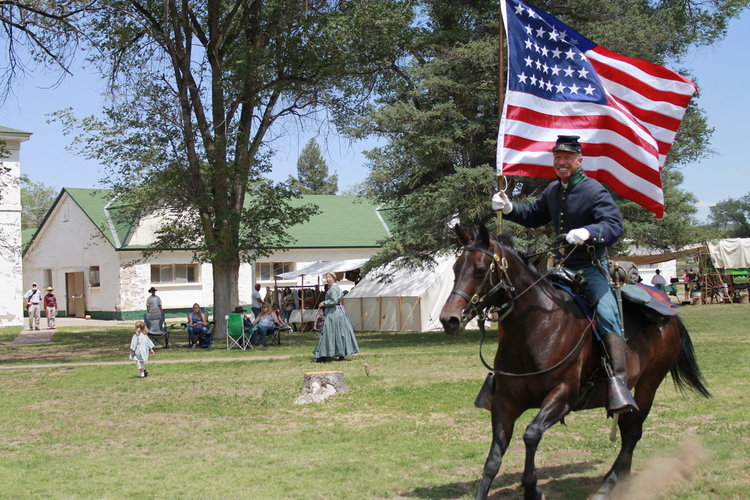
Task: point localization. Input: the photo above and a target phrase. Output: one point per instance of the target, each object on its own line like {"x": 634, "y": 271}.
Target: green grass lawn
{"x": 408, "y": 430}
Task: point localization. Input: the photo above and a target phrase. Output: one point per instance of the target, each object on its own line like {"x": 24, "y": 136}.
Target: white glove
{"x": 577, "y": 236}
{"x": 500, "y": 201}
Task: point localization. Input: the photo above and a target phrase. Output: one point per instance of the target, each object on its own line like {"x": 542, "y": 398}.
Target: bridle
{"x": 476, "y": 304}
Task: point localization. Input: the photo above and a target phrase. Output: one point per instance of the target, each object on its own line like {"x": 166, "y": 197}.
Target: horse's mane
{"x": 506, "y": 239}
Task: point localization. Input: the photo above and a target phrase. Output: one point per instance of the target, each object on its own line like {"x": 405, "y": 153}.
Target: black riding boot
{"x": 620, "y": 400}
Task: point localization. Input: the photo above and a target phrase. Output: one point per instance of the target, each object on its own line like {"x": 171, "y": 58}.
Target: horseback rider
{"x": 583, "y": 210}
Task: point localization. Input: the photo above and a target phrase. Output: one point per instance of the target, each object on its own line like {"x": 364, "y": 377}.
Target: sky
{"x": 722, "y": 72}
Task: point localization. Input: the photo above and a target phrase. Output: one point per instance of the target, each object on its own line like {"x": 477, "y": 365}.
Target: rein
{"x": 531, "y": 374}
{"x": 477, "y": 306}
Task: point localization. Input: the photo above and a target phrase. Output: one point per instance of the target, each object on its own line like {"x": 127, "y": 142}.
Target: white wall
{"x": 668, "y": 270}
{"x": 11, "y": 275}
{"x": 135, "y": 280}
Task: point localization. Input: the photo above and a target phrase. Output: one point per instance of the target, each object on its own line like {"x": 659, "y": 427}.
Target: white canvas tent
{"x": 730, "y": 253}
{"x": 411, "y": 301}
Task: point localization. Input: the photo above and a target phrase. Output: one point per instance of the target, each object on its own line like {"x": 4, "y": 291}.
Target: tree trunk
{"x": 226, "y": 296}
{"x": 318, "y": 386}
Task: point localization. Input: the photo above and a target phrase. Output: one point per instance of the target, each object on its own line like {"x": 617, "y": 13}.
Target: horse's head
{"x": 478, "y": 281}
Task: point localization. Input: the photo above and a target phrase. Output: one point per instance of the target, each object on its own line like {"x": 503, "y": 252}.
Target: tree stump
{"x": 318, "y": 386}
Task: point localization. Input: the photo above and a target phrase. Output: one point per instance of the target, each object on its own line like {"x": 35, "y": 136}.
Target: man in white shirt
{"x": 33, "y": 298}
{"x": 257, "y": 301}
{"x": 658, "y": 280}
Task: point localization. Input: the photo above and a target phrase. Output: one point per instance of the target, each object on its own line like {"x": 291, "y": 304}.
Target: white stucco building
{"x": 11, "y": 291}
{"x": 95, "y": 262}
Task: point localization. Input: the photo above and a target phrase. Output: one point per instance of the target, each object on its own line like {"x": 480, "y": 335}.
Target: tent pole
{"x": 400, "y": 316}
{"x": 380, "y": 313}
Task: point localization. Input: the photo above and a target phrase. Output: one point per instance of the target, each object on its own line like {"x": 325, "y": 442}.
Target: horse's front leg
{"x": 554, "y": 408}
{"x": 503, "y": 420}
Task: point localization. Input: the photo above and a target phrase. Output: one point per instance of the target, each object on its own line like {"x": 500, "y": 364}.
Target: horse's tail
{"x": 686, "y": 373}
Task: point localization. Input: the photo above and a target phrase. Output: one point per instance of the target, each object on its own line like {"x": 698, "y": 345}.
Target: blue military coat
{"x": 583, "y": 203}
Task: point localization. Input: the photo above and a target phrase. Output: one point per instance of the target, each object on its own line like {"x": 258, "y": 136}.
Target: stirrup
{"x": 620, "y": 400}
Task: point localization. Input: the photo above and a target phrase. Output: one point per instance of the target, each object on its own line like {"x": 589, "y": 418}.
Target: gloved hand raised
{"x": 577, "y": 236}
{"x": 500, "y": 201}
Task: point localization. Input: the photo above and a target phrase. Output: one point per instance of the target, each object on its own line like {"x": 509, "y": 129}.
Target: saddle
{"x": 652, "y": 302}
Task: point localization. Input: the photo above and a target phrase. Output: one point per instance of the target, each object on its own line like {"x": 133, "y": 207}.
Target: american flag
{"x": 625, "y": 110}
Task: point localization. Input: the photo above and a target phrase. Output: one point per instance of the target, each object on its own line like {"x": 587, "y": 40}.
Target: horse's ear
{"x": 463, "y": 235}
{"x": 483, "y": 236}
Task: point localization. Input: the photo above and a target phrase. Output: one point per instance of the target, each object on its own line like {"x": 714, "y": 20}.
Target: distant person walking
{"x": 658, "y": 280}
{"x": 337, "y": 338}
{"x": 50, "y": 308}
{"x": 686, "y": 281}
{"x": 140, "y": 348}
{"x": 33, "y": 298}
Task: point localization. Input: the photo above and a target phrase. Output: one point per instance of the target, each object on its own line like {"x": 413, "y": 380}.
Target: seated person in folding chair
{"x": 197, "y": 325}
{"x": 154, "y": 317}
{"x": 247, "y": 320}
{"x": 264, "y": 322}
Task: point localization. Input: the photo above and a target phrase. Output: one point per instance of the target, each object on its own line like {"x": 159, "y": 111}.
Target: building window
{"x": 265, "y": 271}
{"x": 47, "y": 278}
{"x": 94, "y": 276}
{"x": 174, "y": 273}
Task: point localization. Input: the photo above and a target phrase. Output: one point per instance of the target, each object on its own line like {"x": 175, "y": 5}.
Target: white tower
{"x": 11, "y": 277}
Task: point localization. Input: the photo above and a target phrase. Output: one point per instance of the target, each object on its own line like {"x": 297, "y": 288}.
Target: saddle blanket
{"x": 651, "y": 297}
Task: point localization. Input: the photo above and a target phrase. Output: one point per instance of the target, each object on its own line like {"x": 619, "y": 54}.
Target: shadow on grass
{"x": 576, "y": 483}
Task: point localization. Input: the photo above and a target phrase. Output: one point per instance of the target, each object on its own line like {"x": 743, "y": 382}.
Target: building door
{"x": 76, "y": 301}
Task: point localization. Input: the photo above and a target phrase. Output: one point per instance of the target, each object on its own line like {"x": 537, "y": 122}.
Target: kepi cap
{"x": 568, "y": 143}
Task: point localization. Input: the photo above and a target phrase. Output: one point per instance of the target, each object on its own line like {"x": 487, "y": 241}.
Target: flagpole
{"x": 500, "y": 101}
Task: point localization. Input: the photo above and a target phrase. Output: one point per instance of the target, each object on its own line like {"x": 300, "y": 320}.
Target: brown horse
{"x": 548, "y": 357}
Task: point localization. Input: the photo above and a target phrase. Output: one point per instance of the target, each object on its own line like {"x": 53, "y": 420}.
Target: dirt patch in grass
{"x": 660, "y": 473}
{"x": 50, "y": 352}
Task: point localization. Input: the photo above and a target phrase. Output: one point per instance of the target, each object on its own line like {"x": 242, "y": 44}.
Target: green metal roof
{"x": 93, "y": 202}
{"x": 8, "y": 130}
{"x": 344, "y": 221}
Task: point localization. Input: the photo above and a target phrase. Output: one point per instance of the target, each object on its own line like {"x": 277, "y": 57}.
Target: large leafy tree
{"x": 36, "y": 200}
{"x": 312, "y": 172}
{"x": 198, "y": 87}
{"x": 439, "y": 116}
{"x": 732, "y": 216}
